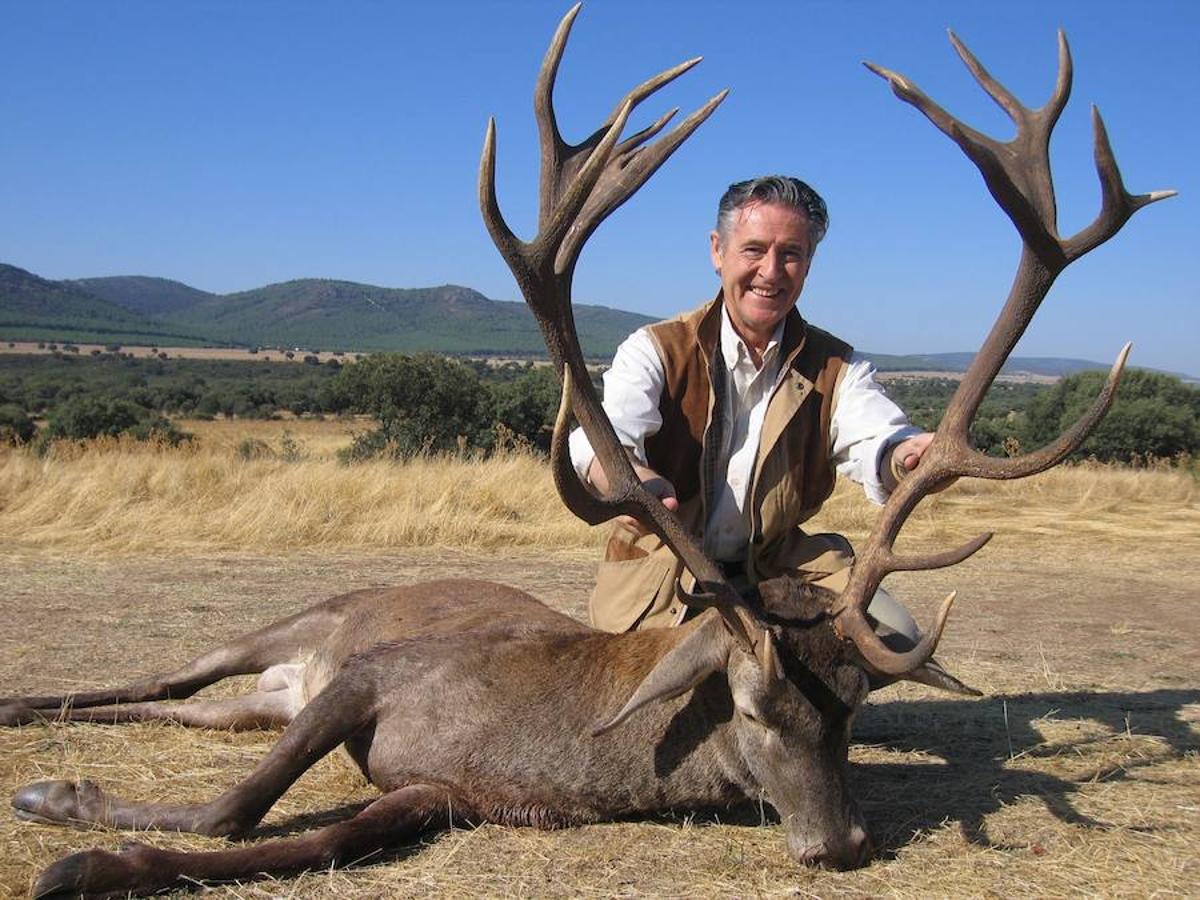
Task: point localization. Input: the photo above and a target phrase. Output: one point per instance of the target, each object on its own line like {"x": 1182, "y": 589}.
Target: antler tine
{"x": 1008, "y": 101}
{"x": 561, "y": 160}
{"x": 1017, "y": 174}
{"x": 574, "y": 495}
{"x": 1062, "y": 85}
{"x": 632, "y": 171}
{"x": 506, "y": 242}
{"x": 886, "y": 660}
{"x": 552, "y": 145}
{"x": 633, "y": 98}
{"x": 1064, "y": 445}
{"x": 1003, "y": 96}
{"x": 1116, "y": 205}
{"x": 648, "y": 87}
{"x": 941, "y": 560}
{"x": 634, "y": 141}
{"x": 567, "y": 208}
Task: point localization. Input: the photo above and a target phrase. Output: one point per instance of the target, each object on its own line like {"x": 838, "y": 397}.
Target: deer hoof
{"x": 13, "y": 714}
{"x": 92, "y": 873}
{"x": 58, "y": 802}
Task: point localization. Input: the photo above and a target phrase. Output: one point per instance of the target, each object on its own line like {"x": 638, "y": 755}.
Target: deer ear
{"x": 704, "y": 651}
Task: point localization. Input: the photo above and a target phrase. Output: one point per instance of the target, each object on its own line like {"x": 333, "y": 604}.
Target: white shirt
{"x": 865, "y": 423}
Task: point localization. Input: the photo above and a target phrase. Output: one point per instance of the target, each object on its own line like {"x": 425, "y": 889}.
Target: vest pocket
{"x": 627, "y": 589}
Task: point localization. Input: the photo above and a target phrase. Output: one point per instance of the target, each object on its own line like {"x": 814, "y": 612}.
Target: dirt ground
{"x": 1075, "y": 774}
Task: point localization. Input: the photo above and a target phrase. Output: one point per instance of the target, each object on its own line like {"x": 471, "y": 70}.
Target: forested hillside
{"x": 148, "y": 296}
{"x": 314, "y": 313}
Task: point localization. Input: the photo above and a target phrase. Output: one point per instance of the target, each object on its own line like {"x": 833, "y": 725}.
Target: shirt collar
{"x": 733, "y": 348}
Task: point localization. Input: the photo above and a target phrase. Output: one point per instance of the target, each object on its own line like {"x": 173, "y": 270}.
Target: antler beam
{"x": 581, "y": 184}
{"x": 1018, "y": 175}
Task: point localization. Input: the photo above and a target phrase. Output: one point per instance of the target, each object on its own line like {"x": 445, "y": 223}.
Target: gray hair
{"x": 781, "y": 189}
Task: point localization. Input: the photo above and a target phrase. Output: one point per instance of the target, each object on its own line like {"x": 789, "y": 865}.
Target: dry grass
{"x": 116, "y": 496}
{"x": 1077, "y": 774}
{"x": 124, "y": 497}
{"x": 314, "y": 438}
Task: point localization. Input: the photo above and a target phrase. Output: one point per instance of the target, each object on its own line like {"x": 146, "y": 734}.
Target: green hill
{"x": 327, "y": 314}
{"x": 313, "y": 313}
{"x": 141, "y": 294}
{"x": 33, "y": 308}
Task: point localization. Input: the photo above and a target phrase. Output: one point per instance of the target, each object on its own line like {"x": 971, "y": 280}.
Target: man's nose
{"x": 771, "y": 265}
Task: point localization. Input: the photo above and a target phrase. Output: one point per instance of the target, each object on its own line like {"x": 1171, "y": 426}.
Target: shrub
{"x": 422, "y": 403}
{"x": 291, "y": 449}
{"x": 84, "y": 417}
{"x": 253, "y": 448}
{"x": 525, "y": 407}
{"x": 1154, "y": 415}
{"x": 16, "y": 427}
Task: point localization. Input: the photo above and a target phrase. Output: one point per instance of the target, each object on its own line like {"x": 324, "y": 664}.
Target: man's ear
{"x": 704, "y": 651}
{"x": 714, "y": 242}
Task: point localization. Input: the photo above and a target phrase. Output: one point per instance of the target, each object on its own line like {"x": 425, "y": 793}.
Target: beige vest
{"x": 793, "y": 472}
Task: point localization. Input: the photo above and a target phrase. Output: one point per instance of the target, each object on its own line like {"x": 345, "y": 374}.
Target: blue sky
{"x": 233, "y": 144}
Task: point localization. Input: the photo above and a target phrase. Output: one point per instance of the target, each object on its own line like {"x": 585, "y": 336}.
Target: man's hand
{"x": 907, "y": 454}
{"x": 654, "y": 483}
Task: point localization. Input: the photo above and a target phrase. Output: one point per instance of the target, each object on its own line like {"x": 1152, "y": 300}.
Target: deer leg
{"x": 345, "y": 706}
{"x": 260, "y": 710}
{"x": 277, "y": 643}
{"x": 390, "y": 820}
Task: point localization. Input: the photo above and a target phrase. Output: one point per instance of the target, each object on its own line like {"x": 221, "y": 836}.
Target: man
{"x": 738, "y": 414}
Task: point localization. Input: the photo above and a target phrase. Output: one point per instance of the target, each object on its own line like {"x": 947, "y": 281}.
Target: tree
{"x": 1154, "y": 415}
{"x": 15, "y": 425}
{"x": 527, "y": 404}
{"x": 83, "y": 417}
{"x": 423, "y": 403}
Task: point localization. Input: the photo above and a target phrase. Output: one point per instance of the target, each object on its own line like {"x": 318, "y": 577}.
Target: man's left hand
{"x": 908, "y": 453}
{"x": 905, "y": 457}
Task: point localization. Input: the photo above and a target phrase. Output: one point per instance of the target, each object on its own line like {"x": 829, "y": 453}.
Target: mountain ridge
{"x": 335, "y": 314}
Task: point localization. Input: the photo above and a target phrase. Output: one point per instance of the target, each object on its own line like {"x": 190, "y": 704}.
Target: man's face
{"x": 762, "y": 263}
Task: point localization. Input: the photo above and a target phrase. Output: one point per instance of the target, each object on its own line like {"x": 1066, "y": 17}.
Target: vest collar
{"x": 708, "y": 332}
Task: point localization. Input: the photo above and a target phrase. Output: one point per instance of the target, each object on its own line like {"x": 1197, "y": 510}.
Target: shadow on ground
{"x": 989, "y": 752}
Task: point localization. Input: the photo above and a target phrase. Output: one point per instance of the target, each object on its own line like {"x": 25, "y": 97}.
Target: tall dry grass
{"x": 122, "y": 496}
{"x": 119, "y": 496}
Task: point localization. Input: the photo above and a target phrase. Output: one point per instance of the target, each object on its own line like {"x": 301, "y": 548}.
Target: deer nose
{"x": 850, "y": 853}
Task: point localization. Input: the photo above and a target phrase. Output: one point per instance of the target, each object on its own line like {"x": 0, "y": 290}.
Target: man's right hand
{"x": 653, "y": 482}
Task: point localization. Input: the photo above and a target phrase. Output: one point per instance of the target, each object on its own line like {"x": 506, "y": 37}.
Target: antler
{"x": 581, "y": 185}
{"x": 1017, "y": 173}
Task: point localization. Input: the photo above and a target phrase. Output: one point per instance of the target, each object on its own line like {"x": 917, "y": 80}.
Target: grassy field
{"x": 1076, "y": 774}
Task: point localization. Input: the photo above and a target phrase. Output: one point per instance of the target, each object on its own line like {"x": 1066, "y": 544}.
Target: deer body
{"x": 488, "y": 702}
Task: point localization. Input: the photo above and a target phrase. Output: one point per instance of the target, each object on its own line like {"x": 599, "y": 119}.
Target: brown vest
{"x": 793, "y": 472}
